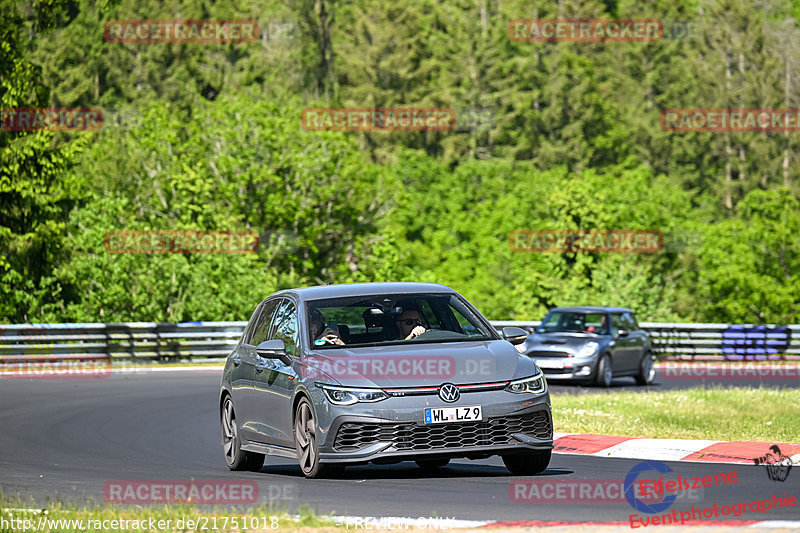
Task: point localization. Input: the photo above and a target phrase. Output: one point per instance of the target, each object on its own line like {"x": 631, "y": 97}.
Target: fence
{"x": 150, "y": 341}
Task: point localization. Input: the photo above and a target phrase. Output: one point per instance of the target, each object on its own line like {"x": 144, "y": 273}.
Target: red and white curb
{"x": 699, "y": 451}
{"x": 433, "y": 523}
{"x": 767, "y": 524}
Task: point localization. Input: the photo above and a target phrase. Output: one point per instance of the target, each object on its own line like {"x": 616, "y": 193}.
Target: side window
{"x": 261, "y": 330}
{"x": 251, "y": 325}
{"x": 625, "y": 322}
{"x": 286, "y": 326}
{"x": 630, "y": 323}
{"x": 617, "y": 323}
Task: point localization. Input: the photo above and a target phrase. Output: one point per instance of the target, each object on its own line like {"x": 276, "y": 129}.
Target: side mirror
{"x": 623, "y": 333}
{"x": 514, "y": 335}
{"x": 273, "y": 349}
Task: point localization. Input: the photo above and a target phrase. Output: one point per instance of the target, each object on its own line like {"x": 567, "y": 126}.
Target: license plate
{"x": 546, "y": 363}
{"x": 441, "y": 415}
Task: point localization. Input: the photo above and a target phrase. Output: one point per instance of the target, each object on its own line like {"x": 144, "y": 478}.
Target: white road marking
{"x": 655, "y": 449}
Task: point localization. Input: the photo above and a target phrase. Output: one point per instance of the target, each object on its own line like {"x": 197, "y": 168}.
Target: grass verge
{"x": 17, "y": 516}
{"x": 730, "y": 414}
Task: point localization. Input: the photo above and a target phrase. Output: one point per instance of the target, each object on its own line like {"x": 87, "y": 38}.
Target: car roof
{"x": 592, "y": 309}
{"x": 344, "y": 290}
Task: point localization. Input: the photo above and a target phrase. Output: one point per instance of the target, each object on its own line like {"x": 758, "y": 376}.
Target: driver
{"x": 409, "y": 323}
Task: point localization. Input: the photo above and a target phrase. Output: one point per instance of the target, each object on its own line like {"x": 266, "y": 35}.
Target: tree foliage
{"x": 549, "y": 135}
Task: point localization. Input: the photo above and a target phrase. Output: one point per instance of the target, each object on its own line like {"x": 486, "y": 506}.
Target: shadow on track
{"x": 409, "y": 470}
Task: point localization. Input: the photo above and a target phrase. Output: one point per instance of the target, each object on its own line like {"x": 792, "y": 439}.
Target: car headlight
{"x": 535, "y": 385}
{"x": 349, "y": 396}
{"x": 588, "y": 349}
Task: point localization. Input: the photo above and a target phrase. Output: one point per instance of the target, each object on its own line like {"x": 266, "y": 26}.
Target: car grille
{"x": 494, "y": 431}
{"x": 548, "y": 354}
{"x": 554, "y": 371}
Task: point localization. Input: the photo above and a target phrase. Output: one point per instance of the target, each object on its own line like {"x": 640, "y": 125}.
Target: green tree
{"x": 238, "y": 163}
{"x": 749, "y": 264}
{"x": 85, "y": 70}
{"x": 35, "y": 194}
{"x": 456, "y": 227}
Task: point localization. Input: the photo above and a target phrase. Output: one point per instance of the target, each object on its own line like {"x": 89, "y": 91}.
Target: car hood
{"x": 561, "y": 342}
{"x": 419, "y": 365}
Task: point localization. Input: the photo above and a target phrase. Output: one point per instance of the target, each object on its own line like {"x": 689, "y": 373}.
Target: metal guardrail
{"x": 129, "y": 341}
{"x": 151, "y": 341}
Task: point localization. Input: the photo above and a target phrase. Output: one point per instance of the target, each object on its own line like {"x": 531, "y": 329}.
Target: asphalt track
{"x": 66, "y": 438}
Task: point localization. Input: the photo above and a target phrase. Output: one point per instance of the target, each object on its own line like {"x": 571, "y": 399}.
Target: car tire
{"x": 432, "y": 464}
{"x": 646, "y": 373}
{"x": 236, "y": 458}
{"x": 527, "y": 464}
{"x": 604, "y": 374}
{"x": 305, "y": 441}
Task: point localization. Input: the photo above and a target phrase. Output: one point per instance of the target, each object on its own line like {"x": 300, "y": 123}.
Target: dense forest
{"x": 548, "y": 135}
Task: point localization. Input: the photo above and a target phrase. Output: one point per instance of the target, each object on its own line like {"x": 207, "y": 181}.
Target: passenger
{"x": 320, "y": 333}
{"x": 602, "y": 329}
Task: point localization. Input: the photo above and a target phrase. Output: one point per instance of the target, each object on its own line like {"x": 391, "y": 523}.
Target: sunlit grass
{"x": 732, "y": 414}
{"x": 15, "y": 511}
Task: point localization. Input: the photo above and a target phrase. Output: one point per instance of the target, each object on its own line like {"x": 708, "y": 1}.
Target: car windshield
{"x": 393, "y": 319}
{"x": 574, "y": 322}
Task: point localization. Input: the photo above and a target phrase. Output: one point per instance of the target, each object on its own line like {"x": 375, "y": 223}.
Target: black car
{"x": 591, "y": 344}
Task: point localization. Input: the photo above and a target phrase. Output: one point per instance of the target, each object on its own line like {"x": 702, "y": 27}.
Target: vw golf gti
{"x": 349, "y": 374}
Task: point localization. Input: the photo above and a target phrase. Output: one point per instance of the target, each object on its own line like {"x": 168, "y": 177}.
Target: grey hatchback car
{"x": 348, "y": 374}
{"x": 591, "y": 344}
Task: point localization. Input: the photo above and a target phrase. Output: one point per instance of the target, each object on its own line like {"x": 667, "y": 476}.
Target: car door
{"x": 638, "y": 340}
{"x": 623, "y": 351}
{"x": 257, "y": 331}
{"x": 619, "y": 346}
{"x": 274, "y": 380}
{"x": 242, "y": 368}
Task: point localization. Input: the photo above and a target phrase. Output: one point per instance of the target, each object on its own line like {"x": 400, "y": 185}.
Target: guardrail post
{"x": 107, "y": 342}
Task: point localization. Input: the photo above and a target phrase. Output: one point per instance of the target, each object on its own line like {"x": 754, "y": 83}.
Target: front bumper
{"x": 576, "y": 368}
{"x": 359, "y": 439}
